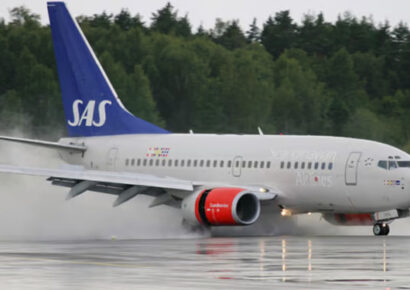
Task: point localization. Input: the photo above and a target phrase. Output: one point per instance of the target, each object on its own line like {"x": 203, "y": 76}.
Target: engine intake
{"x": 222, "y": 206}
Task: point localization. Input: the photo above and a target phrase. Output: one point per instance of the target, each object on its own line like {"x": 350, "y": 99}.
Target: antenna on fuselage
{"x": 191, "y": 132}
{"x": 260, "y": 131}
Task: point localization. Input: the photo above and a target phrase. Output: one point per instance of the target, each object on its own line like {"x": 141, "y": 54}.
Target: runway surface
{"x": 235, "y": 263}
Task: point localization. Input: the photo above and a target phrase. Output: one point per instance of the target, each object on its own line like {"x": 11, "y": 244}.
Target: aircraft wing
{"x": 125, "y": 185}
{"x": 101, "y": 176}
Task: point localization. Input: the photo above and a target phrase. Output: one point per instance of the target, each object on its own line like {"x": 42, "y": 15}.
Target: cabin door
{"x": 111, "y": 160}
{"x": 351, "y": 170}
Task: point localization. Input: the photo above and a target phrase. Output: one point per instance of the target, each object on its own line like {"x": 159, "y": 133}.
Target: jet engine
{"x": 350, "y": 219}
{"x": 221, "y": 207}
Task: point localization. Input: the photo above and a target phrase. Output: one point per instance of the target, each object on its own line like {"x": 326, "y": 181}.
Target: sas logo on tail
{"x": 86, "y": 117}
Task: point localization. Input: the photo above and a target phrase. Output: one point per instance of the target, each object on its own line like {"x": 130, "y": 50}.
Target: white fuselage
{"x": 312, "y": 173}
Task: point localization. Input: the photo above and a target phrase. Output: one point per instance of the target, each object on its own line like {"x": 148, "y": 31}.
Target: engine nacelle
{"x": 350, "y": 219}
{"x": 221, "y": 207}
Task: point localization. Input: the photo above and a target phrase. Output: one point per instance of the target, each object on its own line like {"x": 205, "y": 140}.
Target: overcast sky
{"x": 206, "y": 11}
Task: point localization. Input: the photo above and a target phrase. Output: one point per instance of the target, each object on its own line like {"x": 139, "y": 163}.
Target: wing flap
{"x": 109, "y": 188}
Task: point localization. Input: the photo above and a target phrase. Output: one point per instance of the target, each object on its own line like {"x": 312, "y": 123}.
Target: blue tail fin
{"x": 91, "y": 105}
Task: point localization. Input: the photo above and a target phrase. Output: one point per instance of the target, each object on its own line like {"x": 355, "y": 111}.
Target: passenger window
{"x": 229, "y": 163}
{"x": 221, "y": 164}
{"x": 182, "y": 163}
{"x": 127, "y": 161}
{"x": 163, "y": 162}
{"x": 382, "y": 164}
{"x": 255, "y": 164}
{"x": 237, "y": 164}
{"x": 144, "y": 162}
{"x": 157, "y": 162}
{"x": 282, "y": 164}
{"x": 309, "y": 165}
{"x": 243, "y": 164}
{"x": 176, "y": 163}
{"x": 169, "y": 162}
{"x": 316, "y": 165}
{"x": 262, "y": 164}
{"x": 188, "y": 163}
{"x": 323, "y": 165}
{"x": 138, "y": 162}
{"x": 296, "y": 165}
{"x": 201, "y": 163}
{"x": 392, "y": 165}
{"x": 208, "y": 163}
{"x": 302, "y": 166}
{"x": 195, "y": 163}
{"x": 132, "y": 162}
{"x": 268, "y": 164}
{"x": 288, "y": 166}
{"x": 249, "y": 164}
{"x": 330, "y": 167}
{"x": 215, "y": 163}
{"x": 151, "y": 162}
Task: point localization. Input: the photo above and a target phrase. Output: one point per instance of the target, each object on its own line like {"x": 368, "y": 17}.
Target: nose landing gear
{"x": 381, "y": 229}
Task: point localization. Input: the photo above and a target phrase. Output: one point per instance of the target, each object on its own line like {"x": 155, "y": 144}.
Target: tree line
{"x": 347, "y": 78}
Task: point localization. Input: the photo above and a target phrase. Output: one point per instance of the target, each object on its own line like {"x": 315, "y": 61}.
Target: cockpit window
{"x": 404, "y": 163}
{"x": 382, "y": 164}
{"x": 392, "y": 164}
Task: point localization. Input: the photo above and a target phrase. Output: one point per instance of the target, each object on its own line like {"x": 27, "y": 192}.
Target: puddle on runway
{"x": 292, "y": 262}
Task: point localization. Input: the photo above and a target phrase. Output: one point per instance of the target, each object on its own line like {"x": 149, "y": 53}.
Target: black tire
{"x": 386, "y": 230}
{"x": 377, "y": 230}
{"x": 381, "y": 229}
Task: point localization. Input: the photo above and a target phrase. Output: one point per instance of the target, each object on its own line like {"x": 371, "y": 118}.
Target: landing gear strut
{"x": 381, "y": 229}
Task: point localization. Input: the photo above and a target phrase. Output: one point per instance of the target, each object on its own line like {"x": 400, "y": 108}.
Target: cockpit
{"x": 393, "y": 163}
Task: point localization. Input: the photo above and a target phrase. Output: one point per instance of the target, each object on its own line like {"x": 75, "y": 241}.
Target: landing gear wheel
{"x": 381, "y": 229}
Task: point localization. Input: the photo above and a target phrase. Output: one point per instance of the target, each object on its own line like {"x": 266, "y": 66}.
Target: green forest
{"x": 350, "y": 77}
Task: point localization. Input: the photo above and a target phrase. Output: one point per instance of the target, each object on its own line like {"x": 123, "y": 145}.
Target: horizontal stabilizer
{"x": 47, "y": 144}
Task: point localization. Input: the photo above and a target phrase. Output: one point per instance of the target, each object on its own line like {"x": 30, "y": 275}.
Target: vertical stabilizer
{"x": 91, "y": 105}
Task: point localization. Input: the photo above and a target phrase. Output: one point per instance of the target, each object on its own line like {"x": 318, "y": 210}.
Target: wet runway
{"x": 236, "y": 263}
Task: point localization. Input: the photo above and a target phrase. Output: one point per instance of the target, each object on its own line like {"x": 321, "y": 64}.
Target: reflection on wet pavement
{"x": 292, "y": 262}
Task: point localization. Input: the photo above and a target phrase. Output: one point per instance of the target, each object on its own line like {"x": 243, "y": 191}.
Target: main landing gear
{"x": 381, "y": 229}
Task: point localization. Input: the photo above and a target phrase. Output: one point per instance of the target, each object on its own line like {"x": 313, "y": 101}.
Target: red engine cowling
{"x": 350, "y": 219}
{"x": 221, "y": 206}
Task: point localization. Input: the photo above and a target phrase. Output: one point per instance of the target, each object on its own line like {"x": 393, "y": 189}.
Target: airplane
{"x": 214, "y": 180}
